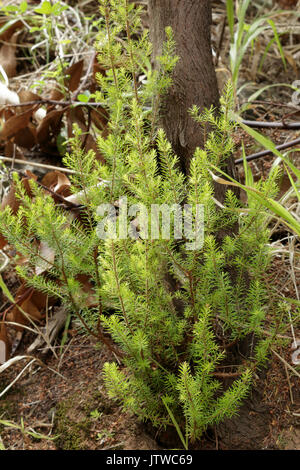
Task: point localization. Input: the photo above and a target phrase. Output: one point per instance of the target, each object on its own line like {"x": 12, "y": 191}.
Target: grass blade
{"x": 230, "y": 17}
{"x": 272, "y": 24}
{"x": 184, "y": 442}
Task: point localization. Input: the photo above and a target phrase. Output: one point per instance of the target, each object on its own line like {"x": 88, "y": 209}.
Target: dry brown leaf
{"x": 57, "y": 182}
{"x": 13, "y": 314}
{"x": 8, "y": 56}
{"x": 29, "y": 301}
{"x": 87, "y": 287}
{"x": 5, "y": 344}
{"x": 16, "y": 316}
{"x": 76, "y": 115}
{"x": 21, "y": 260}
{"x": 41, "y": 301}
{"x": 90, "y": 144}
{"x": 10, "y": 198}
{"x": 55, "y": 95}
{"x": 7, "y": 113}
{"x": 25, "y": 181}
{"x": 72, "y": 80}
{"x": 26, "y": 138}
{"x": 27, "y": 95}
{"x": 98, "y": 68}
{"x": 16, "y": 123}
{"x": 50, "y": 125}
{"x": 8, "y": 32}
{"x": 29, "y": 307}
{"x": 3, "y": 242}
{"x": 74, "y": 72}
{"x": 10, "y": 150}
{"x": 100, "y": 118}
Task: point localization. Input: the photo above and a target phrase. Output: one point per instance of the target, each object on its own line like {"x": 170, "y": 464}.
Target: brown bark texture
{"x": 194, "y": 78}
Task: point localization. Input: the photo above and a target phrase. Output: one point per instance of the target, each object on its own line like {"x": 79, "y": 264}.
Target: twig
{"x": 271, "y": 103}
{"x": 226, "y": 375}
{"x": 264, "y": 153}
{"x": 286, "y": 363}
{"x": 38, "y": 165}
{"x": 16, "y": 378}
{"x": 62, "y": 199}
{"x": 15, "y": 359}
{"x": 272, "y": 125}
{"x": 89, "y": 69}
{"x": 54, "y": 102}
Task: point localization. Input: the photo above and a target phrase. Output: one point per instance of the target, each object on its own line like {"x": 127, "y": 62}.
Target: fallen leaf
{"x": 10, "y": 198}
{"x": 3, "y": 242}
{"x": 100, "y": 118}
{"x": 50, "y": 125}
{"x": 27, "y": 137}
{"x": 87, "y": 287}
{"x": 9, "y": 28}
{"x": 57, "y": 182}
{"x": 16, "y": 123}
{"x": 28, "y": 303}
{"x": 76, "y": 115}
{"x": 8, "y": 56}
{"x": 98, "y": 68}
{"x": 5, "y": 344}
{"x": 32, "y": 310}
{"x": 27, "y": 95}
{"x": 74, "y": 72}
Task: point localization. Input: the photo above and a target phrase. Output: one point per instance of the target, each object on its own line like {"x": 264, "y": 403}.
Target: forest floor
{"x": 64, "y": 398}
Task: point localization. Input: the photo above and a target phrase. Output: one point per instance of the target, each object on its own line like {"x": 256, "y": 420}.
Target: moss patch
{"x": 71, "y": 425}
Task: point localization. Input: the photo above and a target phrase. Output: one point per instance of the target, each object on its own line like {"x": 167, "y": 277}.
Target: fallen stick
{"x": 272, "y": 125}
{"x": 39, "y": 165}
{"x": 264, "y": 153}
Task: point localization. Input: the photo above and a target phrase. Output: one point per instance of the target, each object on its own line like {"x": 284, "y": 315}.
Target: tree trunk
{"x": 194, "y": 78}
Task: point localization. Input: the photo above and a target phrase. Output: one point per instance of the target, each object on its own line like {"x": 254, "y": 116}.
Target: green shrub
{"x": 175, "y": 313}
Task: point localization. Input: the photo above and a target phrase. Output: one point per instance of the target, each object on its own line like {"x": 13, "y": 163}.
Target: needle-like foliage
{"x": 175, "y": 313}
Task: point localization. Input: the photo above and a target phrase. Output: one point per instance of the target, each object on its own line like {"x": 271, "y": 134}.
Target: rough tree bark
{"x": 194, "y": 78}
